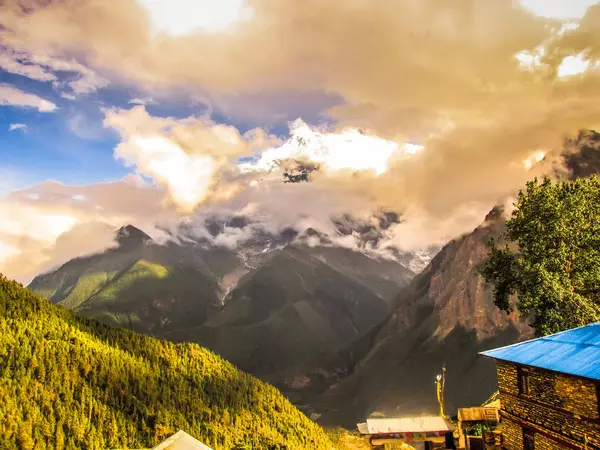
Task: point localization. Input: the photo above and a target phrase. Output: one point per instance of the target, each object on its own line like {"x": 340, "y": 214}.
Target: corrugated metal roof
{"x": 574, "y": 352}
{"x": 407, "y": 425}
{"x": 477, "y": 414}
{"x": 181, "y": 441}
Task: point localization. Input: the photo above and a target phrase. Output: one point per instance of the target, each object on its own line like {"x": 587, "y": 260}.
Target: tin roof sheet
{"x": 574, "y": 352}
{"x": 419, "y": 424}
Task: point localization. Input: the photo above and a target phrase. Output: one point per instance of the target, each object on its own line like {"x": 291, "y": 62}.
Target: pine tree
{"x": 69, "y": 383}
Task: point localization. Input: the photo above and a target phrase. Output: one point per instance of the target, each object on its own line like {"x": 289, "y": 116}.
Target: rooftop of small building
{"x": 416, "y": 424}
{"x": 181, "y": 441}
{"x": 478, "y": 414}
{"x": 574, "y": 352}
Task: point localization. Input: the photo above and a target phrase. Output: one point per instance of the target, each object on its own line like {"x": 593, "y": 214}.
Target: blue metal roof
{"x": 575, "y": 352}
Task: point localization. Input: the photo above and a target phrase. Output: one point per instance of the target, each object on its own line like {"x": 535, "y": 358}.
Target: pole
{"x": 440, "y": 382}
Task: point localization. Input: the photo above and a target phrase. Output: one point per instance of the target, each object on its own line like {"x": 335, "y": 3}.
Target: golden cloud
{"x": 441, "y": 73}
{"x": 45, "y": 225}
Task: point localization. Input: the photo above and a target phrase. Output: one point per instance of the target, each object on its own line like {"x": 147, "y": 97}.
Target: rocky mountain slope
{"x": 300, "y": 306}
{"x": 70, "y": 382}
{"x": 444, "y": 317}
{"x": 139, "y": 284}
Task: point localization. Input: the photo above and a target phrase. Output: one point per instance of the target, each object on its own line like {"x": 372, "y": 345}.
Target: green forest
{"x": 68, "y": 382}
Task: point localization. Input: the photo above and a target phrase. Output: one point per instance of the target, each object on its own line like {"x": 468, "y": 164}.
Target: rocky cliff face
{"x": 445, "y": 316}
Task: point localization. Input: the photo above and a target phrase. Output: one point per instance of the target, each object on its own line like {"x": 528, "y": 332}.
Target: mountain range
{"x": 274, "y": 306}
{"x": 442, "y": 318}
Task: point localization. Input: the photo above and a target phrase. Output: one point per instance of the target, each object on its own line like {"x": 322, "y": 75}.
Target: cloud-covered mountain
{"x": 438, "y": 124}
{"x": 274, "y": 304}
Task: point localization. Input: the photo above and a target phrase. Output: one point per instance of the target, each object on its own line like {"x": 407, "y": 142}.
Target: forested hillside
{"x": 68, "y": 382}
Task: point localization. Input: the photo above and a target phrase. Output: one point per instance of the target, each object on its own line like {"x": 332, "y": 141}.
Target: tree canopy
{"x": 68, "y": 382}
{"x": 549, "y": 256}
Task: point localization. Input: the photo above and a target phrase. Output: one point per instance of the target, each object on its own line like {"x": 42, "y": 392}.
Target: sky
{"x": 163, "y": 112}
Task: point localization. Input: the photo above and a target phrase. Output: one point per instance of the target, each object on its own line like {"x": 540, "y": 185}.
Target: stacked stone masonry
{"x": 544, "y": 443}
{"x": 561, "y": 410}
{"x": 512, "y": 434}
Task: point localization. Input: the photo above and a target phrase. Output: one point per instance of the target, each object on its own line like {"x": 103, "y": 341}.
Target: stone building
{"x": 550, "y": 390}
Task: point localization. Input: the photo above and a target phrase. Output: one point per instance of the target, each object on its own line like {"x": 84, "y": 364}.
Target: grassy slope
{"x": 70, "y": 382}
{"x": 146, "y": 288}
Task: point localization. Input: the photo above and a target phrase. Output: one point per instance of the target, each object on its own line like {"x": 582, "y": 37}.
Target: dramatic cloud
{"x": 17, "y": 126}
{"x": 442, "y": 108}
{"x": 12, "y": 96}
{"x": 190, "y": 156}
{"x": 75, "y": 76}
{"x": 407, "y": 71}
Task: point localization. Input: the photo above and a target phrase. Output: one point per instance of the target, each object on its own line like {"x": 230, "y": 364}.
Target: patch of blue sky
{"x": 49, "y": 148}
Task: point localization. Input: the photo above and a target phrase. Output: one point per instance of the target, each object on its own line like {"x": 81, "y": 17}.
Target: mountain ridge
{"x": 190, "y": 290}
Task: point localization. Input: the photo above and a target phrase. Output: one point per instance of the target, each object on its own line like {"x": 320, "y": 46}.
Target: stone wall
{"x": 569, "y": 393}
{"x": 564, "y": 424}
{"x": 563, "y": 407}
{"x": 507, "y": 378}
{"x": 545, "y": 443}
{"x": 578, "y": 396}
{"x": 512, "y": 435}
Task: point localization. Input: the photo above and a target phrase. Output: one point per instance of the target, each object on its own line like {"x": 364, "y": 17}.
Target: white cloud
{"x": 559, "y": 9}
{"x": 17, "y": 126}
{"x": 181, "y": 17}
{"x": 11, "y": 62}
{"x": 187, "y": 156}
{"x": 42, "y": 67}
{"x": 530, "y": 60}
{"x": 573, "y": 65}
{"x": 48, "y": 224}
{"x": 85, "y": 127}
{"x": 142, "y": 101}
{"x": 11, "y": 96}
